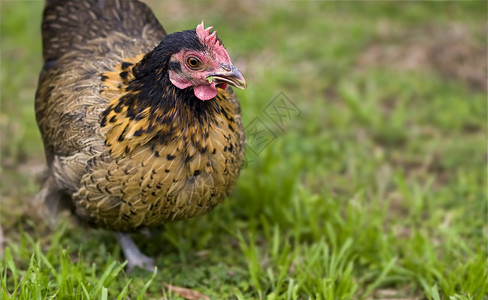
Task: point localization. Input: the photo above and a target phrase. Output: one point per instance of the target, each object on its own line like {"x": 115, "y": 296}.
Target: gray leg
{"x": 134, "y": 257}
{"x": 50, "y": 200}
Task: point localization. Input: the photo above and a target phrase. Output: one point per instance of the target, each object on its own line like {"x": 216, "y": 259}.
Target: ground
{"x": 365, "y": 173}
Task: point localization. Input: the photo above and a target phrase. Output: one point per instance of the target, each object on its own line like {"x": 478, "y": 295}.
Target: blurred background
{"x": 365, "y": 172}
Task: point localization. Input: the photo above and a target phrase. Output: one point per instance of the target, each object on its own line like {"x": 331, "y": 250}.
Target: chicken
{"x": 139, "y": 128}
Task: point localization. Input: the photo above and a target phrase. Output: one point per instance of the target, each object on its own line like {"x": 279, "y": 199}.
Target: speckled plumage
{"x": 129, "y": 149}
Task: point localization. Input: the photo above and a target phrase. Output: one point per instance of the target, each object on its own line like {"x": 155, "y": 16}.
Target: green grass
{"x": 376, "y": 190}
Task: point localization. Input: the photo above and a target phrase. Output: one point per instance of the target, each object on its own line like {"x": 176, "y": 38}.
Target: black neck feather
{"x": 152, "y": 88}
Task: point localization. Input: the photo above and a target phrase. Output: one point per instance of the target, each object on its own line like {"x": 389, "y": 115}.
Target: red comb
{"x": 211, "y": 40}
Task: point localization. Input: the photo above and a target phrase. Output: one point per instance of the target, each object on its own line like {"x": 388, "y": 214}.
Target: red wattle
{"x": 205, "y": 92}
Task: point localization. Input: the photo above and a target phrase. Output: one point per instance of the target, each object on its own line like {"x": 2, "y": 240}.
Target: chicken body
{"x": 127, "y": 147}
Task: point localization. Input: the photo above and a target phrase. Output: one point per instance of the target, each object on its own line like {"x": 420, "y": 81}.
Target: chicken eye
{"x": 193, "y": 62}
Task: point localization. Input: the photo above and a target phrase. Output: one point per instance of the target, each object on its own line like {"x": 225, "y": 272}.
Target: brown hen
{"x": 139, "y": 127}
